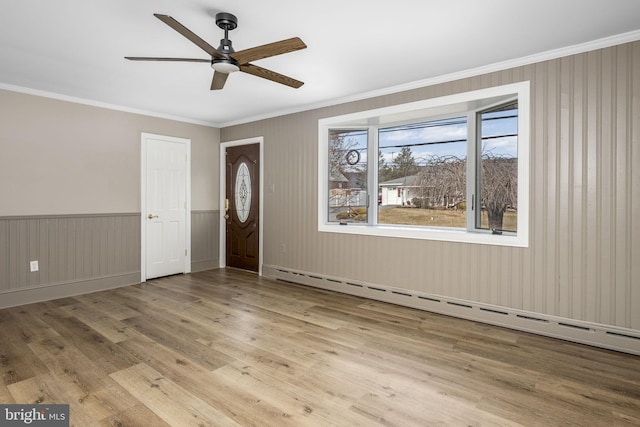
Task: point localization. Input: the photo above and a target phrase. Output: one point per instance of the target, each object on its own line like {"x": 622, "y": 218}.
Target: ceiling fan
{"x": 225, "y": 60}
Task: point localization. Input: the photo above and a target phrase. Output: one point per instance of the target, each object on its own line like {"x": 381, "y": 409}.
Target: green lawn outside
{"x": 438, "y": 217}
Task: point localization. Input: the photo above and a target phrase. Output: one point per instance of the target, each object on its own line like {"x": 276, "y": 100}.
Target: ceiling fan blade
{"x": 218, "y": 80}
{"x": 267, "y": 50}
{"x": 270, "y": 75}
{"x": 189, "y": 35}
{"x": 144, "y": 58}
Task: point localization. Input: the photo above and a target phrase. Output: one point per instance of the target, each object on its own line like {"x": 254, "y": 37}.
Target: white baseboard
{"x": 595, "y": 334}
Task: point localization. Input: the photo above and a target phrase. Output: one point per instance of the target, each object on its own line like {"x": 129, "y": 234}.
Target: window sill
{"x": 439, "y": 234}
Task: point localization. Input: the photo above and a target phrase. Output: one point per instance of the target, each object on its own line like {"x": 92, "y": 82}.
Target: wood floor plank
{"x": 5, "y": 395}
{"x": 573, "y": 367}
{"x": 148, "y": 290}
{"x": 178, "y": 337}
{"x": 138, "y": 415}
{"x": 300, "y": 407}
{"x": 173, "y": 404}
{"x": 110, "y": 328}
{"x": 87, "y": 387}
{"x": 17, "y": 361}
{"x": 44, "y": 389}
{"x": 226, "y": 347}
{"x": 240, "y": 404}
{"x": 620, "y": 409}
{"x": 93, "y": 345}
{"x": 296, "y": 309}
{"x": 105, "y": 354}
{"x": 29, "y": 325}
{"x": 394, "y": 410}
{"x": 104, "y": 303}
{"x": 252, "y": 355}
{"x": 84, "y": 409}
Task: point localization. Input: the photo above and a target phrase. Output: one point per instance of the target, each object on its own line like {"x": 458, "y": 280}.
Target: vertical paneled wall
{"x": 85, "y": 248}
{"x": 205, "y": 231}
{"x": 583, "y": 260}
{"x": 69, "y": 249}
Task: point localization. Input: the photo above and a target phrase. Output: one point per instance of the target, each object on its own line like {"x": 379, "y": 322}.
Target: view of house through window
{"x": 348, "y": 196}
{"x": 454, "y": 168}
{"x": 423, "y": 174}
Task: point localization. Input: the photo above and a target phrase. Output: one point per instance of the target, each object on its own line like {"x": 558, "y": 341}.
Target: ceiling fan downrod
{"x": 227, "y": 22}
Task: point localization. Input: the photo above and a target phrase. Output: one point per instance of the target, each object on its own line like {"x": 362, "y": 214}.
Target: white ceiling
{"x": 74, "y": 49}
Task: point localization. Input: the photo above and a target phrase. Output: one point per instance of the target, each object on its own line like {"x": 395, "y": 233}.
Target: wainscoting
{"x": 84, "y": 253}
{"x": 75, "y": 253}
{"x": 205, "y": 244}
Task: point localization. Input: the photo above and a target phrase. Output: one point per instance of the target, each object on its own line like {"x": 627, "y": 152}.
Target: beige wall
{"x": 583, "y": 261}
{"x": 70, "y": 196}
{"x": 60, "y": 157}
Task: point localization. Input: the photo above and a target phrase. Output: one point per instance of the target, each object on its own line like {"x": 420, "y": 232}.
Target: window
{"x": 347, "y": 179}
{"x": 498, "y": 169}
{"x": 452, "y": 168}
{"x": 428, "y": 162}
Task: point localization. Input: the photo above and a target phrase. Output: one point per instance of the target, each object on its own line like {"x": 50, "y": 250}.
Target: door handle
{"x": 152, "y": 216}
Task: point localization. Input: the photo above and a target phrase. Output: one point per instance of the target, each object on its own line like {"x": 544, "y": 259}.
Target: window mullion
{"x": 372, "y": 166}
{"x": 472, "y": 171}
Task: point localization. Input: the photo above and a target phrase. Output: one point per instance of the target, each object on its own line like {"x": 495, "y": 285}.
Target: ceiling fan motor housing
{"x": 226, "y": 21}
{"x": 225, "y": 47}
{"x": 225, "y": 65}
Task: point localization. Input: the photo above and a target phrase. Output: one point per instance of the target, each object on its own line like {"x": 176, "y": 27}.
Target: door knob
{"x": 152, "y": 216}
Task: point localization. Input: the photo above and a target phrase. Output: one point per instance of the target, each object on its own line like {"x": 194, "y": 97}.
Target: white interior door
{"x": 165, "y": 208}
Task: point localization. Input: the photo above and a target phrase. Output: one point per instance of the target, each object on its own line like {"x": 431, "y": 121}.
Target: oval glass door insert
{"x": 243, "y": 192}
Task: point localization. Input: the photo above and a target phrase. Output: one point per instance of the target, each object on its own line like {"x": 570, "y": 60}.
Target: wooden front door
{"x": 242, "y": 207}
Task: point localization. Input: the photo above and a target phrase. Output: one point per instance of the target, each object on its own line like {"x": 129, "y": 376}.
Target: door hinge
{"x": 185, "y": 252}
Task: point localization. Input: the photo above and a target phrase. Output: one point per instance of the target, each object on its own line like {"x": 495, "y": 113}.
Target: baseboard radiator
{"x": 598, "y": 335}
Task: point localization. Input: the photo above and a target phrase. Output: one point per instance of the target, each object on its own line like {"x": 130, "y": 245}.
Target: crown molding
{"x": 472, "y": 72}
{"x": 99, "y": 104}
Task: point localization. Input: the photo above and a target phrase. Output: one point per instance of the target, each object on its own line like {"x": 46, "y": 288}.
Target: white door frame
{"x": 143, "y": 200}
{"x": 223, "y": 184}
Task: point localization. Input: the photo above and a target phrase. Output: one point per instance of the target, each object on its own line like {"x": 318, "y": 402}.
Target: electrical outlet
{"x": 283, "y": 248}
{"x": 34, "y": 266}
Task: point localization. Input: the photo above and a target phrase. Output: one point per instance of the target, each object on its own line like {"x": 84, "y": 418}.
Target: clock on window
{"x": 353, "y": 157}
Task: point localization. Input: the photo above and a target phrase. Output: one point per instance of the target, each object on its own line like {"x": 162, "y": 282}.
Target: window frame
{"x": 466, "y": 103}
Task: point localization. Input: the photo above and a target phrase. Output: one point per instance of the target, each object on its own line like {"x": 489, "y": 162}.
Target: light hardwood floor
{"x": 225, "y": 347}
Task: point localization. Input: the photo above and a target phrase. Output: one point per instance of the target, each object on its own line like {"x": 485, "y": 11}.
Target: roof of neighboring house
{"x": 405, "y": 181}
{"x": 336, "y": 176}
